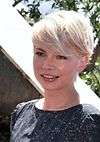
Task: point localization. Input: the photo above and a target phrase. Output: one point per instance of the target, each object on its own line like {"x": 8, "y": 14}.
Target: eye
{"x": 61, "y": 57}
{"x": 39, "y": 53}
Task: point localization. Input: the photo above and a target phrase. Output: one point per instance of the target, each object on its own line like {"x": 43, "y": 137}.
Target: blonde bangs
{"x": 65, "y": 29}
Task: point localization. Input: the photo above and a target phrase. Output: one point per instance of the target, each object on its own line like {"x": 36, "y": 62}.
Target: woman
{"x": 63, "y": 43}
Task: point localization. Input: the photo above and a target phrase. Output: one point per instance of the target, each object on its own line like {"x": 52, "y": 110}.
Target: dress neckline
{"x": 58, "y": 111}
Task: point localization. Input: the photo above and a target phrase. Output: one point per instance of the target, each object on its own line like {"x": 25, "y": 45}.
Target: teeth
{"x": 48, "y": 76}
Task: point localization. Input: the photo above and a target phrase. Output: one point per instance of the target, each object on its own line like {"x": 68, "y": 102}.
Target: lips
{"x": 50, "y": 78}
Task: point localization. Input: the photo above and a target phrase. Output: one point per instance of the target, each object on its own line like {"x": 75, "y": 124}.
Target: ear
{"x": 83, "y": 62}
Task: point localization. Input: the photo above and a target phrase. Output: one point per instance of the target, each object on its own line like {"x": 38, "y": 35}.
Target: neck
{"x": 58, "y": 100}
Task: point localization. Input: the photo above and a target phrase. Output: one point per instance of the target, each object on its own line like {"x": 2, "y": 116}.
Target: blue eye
{"x": 61, "y": 57}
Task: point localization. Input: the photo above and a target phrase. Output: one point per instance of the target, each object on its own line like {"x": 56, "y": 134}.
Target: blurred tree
{"x": 90, "y": 8}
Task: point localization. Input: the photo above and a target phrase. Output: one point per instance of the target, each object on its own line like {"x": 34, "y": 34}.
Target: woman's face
{"x": 53, "y": 69}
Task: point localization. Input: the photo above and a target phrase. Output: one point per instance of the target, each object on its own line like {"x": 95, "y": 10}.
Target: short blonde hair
{"x": 65, "y": 28}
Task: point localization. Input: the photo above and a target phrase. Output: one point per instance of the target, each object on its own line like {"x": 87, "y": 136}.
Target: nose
{"x": 48, "y": 64}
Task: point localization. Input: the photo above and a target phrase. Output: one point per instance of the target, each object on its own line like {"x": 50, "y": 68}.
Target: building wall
{"x": 15, "y": 86}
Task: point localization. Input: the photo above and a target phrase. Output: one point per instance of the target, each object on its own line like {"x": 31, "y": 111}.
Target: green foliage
{"x": 91, "y": 8}
{"x": 92, "y": 77}
{"x": 32, "y": 13}
{"x": 66, "y": 4}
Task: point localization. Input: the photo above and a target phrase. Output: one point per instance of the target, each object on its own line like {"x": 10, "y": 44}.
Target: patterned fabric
{"x": 80, "y": 123}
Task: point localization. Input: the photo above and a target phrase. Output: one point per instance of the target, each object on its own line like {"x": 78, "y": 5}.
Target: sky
{"x": 15, "y": 38}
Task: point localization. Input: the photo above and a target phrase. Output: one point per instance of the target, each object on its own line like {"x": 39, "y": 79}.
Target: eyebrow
{"x": 40, "y": 49}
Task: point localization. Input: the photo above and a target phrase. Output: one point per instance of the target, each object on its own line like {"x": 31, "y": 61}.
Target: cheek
{"x": 36, "y": 69}
{"x": 69, "y": 68}
{"x": 36, "y": 62}
{"x": 36, "y": 66}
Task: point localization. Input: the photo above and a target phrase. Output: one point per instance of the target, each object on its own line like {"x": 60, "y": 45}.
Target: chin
{"x": 49, "y": 87}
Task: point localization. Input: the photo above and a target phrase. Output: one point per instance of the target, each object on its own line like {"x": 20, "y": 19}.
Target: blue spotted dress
{"x": 79, "y": 123}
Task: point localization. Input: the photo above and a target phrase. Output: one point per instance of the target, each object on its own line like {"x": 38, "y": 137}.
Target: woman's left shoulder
{"x": 91, "y": 113}
{"x": 90, "y": 109}
{"x": 91, "y": 122}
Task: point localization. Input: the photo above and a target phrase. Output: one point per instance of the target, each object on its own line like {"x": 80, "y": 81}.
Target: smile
{"x": 49, "y": 77}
